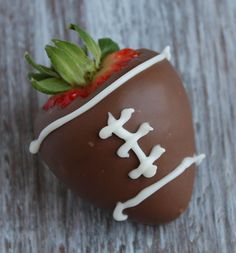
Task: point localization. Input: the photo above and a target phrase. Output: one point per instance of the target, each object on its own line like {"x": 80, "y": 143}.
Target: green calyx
{"x": 71, "y": 65}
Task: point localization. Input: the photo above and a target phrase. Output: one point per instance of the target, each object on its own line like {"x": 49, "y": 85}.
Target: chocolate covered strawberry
{"x": 118, "y": 128}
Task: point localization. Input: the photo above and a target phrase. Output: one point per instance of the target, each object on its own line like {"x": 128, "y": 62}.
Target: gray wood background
{"x": 37, "y": 213}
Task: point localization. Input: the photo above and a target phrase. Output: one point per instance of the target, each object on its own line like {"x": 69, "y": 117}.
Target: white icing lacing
{"x": 146, "y": 167}
{"x": 35, "y": 145}
{"x": 148, "y": 191}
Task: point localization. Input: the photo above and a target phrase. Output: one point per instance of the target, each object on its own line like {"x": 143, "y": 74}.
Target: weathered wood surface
{"x": 37, "y": 213}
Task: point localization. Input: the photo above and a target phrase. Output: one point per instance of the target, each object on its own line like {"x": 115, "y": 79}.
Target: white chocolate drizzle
{"x": 146, "y": 166}
{"x": 35, "y": 144}
{"x": 148, "y": 191}
{"x": 115, "y": 126}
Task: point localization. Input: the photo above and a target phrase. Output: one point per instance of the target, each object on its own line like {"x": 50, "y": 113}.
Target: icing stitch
{"x": 35, "y": 144}
{"x": 146, "y": 166}
{"x": 148, "y": 191}
{"x": 115, "y": 126}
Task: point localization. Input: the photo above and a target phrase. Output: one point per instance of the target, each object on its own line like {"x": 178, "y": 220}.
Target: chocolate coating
{"x": 89, "y": 165}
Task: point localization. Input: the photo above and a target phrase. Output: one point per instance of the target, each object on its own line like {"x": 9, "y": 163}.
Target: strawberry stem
{"x": 71, "y": 64}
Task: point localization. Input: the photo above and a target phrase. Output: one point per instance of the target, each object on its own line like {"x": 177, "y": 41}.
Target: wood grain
{"x": 37, "y": 213}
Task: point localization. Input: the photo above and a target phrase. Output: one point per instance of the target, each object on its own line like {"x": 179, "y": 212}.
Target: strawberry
{"x": 73, "y": 73}
{"x": 126, "y": 104}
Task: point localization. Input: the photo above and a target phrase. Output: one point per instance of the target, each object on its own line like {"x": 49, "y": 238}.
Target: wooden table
{"x": 37, "y": 213}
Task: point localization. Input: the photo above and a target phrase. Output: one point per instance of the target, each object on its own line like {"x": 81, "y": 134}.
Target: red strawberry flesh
{"x": 111, "y": 64}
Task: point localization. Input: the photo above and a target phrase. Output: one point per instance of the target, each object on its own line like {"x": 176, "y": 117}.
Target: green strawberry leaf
{"x": 38, "y": 76}
{"x": 91, "y": 44}
{"x": 107, "y": 46}
{"x": 71, "y": 64}
{"x": 50, "y": 85}
{"x": 84, "y": 48}
{"x": 77, "y": 55}
{"x": 42, "y": 69}
{"x": 68, "y": 69}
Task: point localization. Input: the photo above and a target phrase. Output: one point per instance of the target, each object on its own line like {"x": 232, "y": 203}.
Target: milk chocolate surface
{"x": 90, "y": 166}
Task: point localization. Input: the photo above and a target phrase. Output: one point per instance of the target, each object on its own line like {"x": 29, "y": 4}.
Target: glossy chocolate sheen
{"x": 90, "y": 166}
